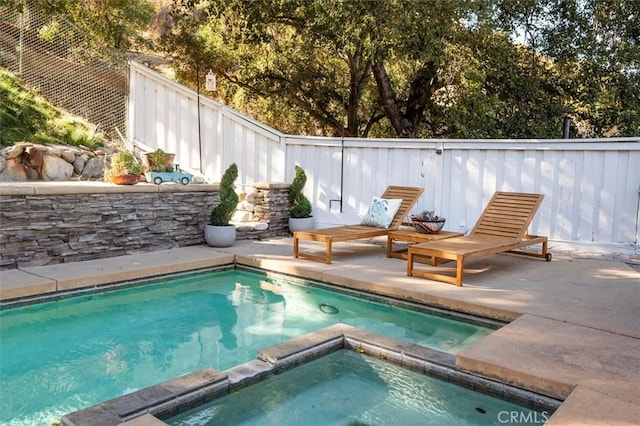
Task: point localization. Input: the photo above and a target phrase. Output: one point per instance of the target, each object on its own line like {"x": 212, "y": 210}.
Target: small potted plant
{"x": 124, "y": 169}
{"x": 428, "y": 222}
{"x": 219, "y": 233}
{"x": 158, "y": 161}
{"x": 300, "y": 217}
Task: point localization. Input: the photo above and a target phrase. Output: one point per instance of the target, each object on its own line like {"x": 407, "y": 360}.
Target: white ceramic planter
{"x": 220, "y": 236}
{"x": 301, "y": 224}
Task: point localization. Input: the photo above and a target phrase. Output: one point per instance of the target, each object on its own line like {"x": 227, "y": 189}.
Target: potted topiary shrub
{"x": 300, "y": 217}
{"x": 219, "y": 233}
{"x": 124, "y": 169}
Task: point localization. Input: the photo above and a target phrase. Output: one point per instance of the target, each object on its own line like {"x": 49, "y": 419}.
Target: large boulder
{"x": 93, "y": 169}
{"x": 55, "y": 168}
{"x": 14, "y": 171}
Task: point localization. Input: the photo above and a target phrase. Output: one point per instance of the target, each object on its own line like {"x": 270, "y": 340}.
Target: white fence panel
{"x": 205, "y": 135}
{"x": 591, "y": 187}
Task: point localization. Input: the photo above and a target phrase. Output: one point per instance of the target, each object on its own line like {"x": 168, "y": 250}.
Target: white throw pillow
{"x": 381, "y": 212}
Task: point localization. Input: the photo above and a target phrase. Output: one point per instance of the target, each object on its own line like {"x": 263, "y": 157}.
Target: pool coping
{"x": 183, "y": 393}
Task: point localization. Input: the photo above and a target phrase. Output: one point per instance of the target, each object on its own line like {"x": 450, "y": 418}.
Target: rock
{"x": 54, "y": 152}
{"x": 102, "y": 152}
{"x": 3, "y": 164}
{"x": 32, "y": 174}
{"x": 14, "y": 171}
{"x": 243, "y": 205}
{"x": 33, "y": 157}
{"x": 93, "y": 169}
{"x": 55, "y": 168}
{"x": 12, "y": 152}
{"x": 251, "y": 198}
{"x": 242, "y": 216}
{"x": 250, "y": 226}
{"x": 68, "y": 155}
{"x": 78, "y": 164}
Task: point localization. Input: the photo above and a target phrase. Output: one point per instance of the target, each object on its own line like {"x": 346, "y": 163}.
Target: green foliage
{"x": 300, "y": 205}
{"x": 222, "y": 213}
{"x": 418, "y": 68}
{"x": 427, "y": 216}
{"x": 121, "y": 24}
{"x": 27, "y": 116}
{"x": 123, "y": 163}
{"x": 160, "y": 161}
{"x": 512, "y": 93}
{"x": 594, "y": 49}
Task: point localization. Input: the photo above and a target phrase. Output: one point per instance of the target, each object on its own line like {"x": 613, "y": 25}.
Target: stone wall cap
{"x": 271, "y": 185}
{"x": 94, "y": 187}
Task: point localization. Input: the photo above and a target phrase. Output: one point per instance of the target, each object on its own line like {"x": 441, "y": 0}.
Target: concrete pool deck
{"x": 575, "y": 321}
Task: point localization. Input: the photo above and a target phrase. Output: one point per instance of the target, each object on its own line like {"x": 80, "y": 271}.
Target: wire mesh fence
{"x": 65, "y": 65}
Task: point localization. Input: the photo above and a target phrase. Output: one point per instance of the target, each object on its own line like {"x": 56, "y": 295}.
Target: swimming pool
{"x": 63, "y": 355}
{"x": 346, "y": 388}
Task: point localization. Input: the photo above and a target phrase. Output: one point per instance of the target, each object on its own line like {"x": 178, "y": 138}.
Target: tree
{"x": 421, "y": 68}
{"x": 119, "y": 24}
{"x": 351, "y": 44}
{"x": 595, "y": 47}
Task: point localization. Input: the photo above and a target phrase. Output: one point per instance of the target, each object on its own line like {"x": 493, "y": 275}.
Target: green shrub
{"x": 300, "y": 205}
{"x": 123, "y": 163}
{"x": 160, "y": 161}
{"x": 222, "y": 213}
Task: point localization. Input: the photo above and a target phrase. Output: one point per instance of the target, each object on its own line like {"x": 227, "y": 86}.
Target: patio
{"x": 574, "y": 333}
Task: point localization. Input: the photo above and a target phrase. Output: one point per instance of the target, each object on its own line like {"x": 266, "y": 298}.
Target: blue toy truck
{"x": 175, "y": 176}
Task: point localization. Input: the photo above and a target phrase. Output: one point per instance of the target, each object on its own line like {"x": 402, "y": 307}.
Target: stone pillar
{"x": 271, "y": 201}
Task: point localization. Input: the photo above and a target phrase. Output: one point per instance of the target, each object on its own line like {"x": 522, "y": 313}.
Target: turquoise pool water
{"x": 345, "y": 388}
{"x": 60, "y": 356}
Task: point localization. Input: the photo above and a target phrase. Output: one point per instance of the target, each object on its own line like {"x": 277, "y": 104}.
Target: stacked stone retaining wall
{"x": 44, "y": 223}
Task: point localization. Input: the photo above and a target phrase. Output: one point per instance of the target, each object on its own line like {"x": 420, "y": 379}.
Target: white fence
{"x": 591, "y": 187}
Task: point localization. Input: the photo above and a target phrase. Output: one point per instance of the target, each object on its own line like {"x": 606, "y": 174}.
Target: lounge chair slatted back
{"x": 508, "y": 215}
{"x": 409, "y": 196}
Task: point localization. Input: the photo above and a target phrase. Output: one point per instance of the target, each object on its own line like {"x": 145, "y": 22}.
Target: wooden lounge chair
{"x": 502, "y": 227}
{"x": 328, "y": 236}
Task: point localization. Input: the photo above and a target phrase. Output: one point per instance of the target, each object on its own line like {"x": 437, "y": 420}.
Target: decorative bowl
{"x": 428, "y": 227}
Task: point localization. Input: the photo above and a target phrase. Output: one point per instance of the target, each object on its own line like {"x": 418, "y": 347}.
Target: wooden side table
{"x": 415, "y": 237}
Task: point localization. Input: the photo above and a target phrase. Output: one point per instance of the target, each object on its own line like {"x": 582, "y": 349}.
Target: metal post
{"x": 21, "y": 42}
{"x": 566, "y": 127}
{"x": 198, "y": 102}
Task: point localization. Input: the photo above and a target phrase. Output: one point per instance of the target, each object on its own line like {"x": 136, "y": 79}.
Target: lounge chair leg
{"x": 328, "y": 249}
{"x": 295, "y": 247}
{"x": 459, "y": 270}
{"x": 409, "y": 263}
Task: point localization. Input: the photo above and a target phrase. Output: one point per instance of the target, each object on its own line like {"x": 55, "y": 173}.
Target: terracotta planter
{"x": 125, "y": 179}
{"x": 146, "y": 160}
